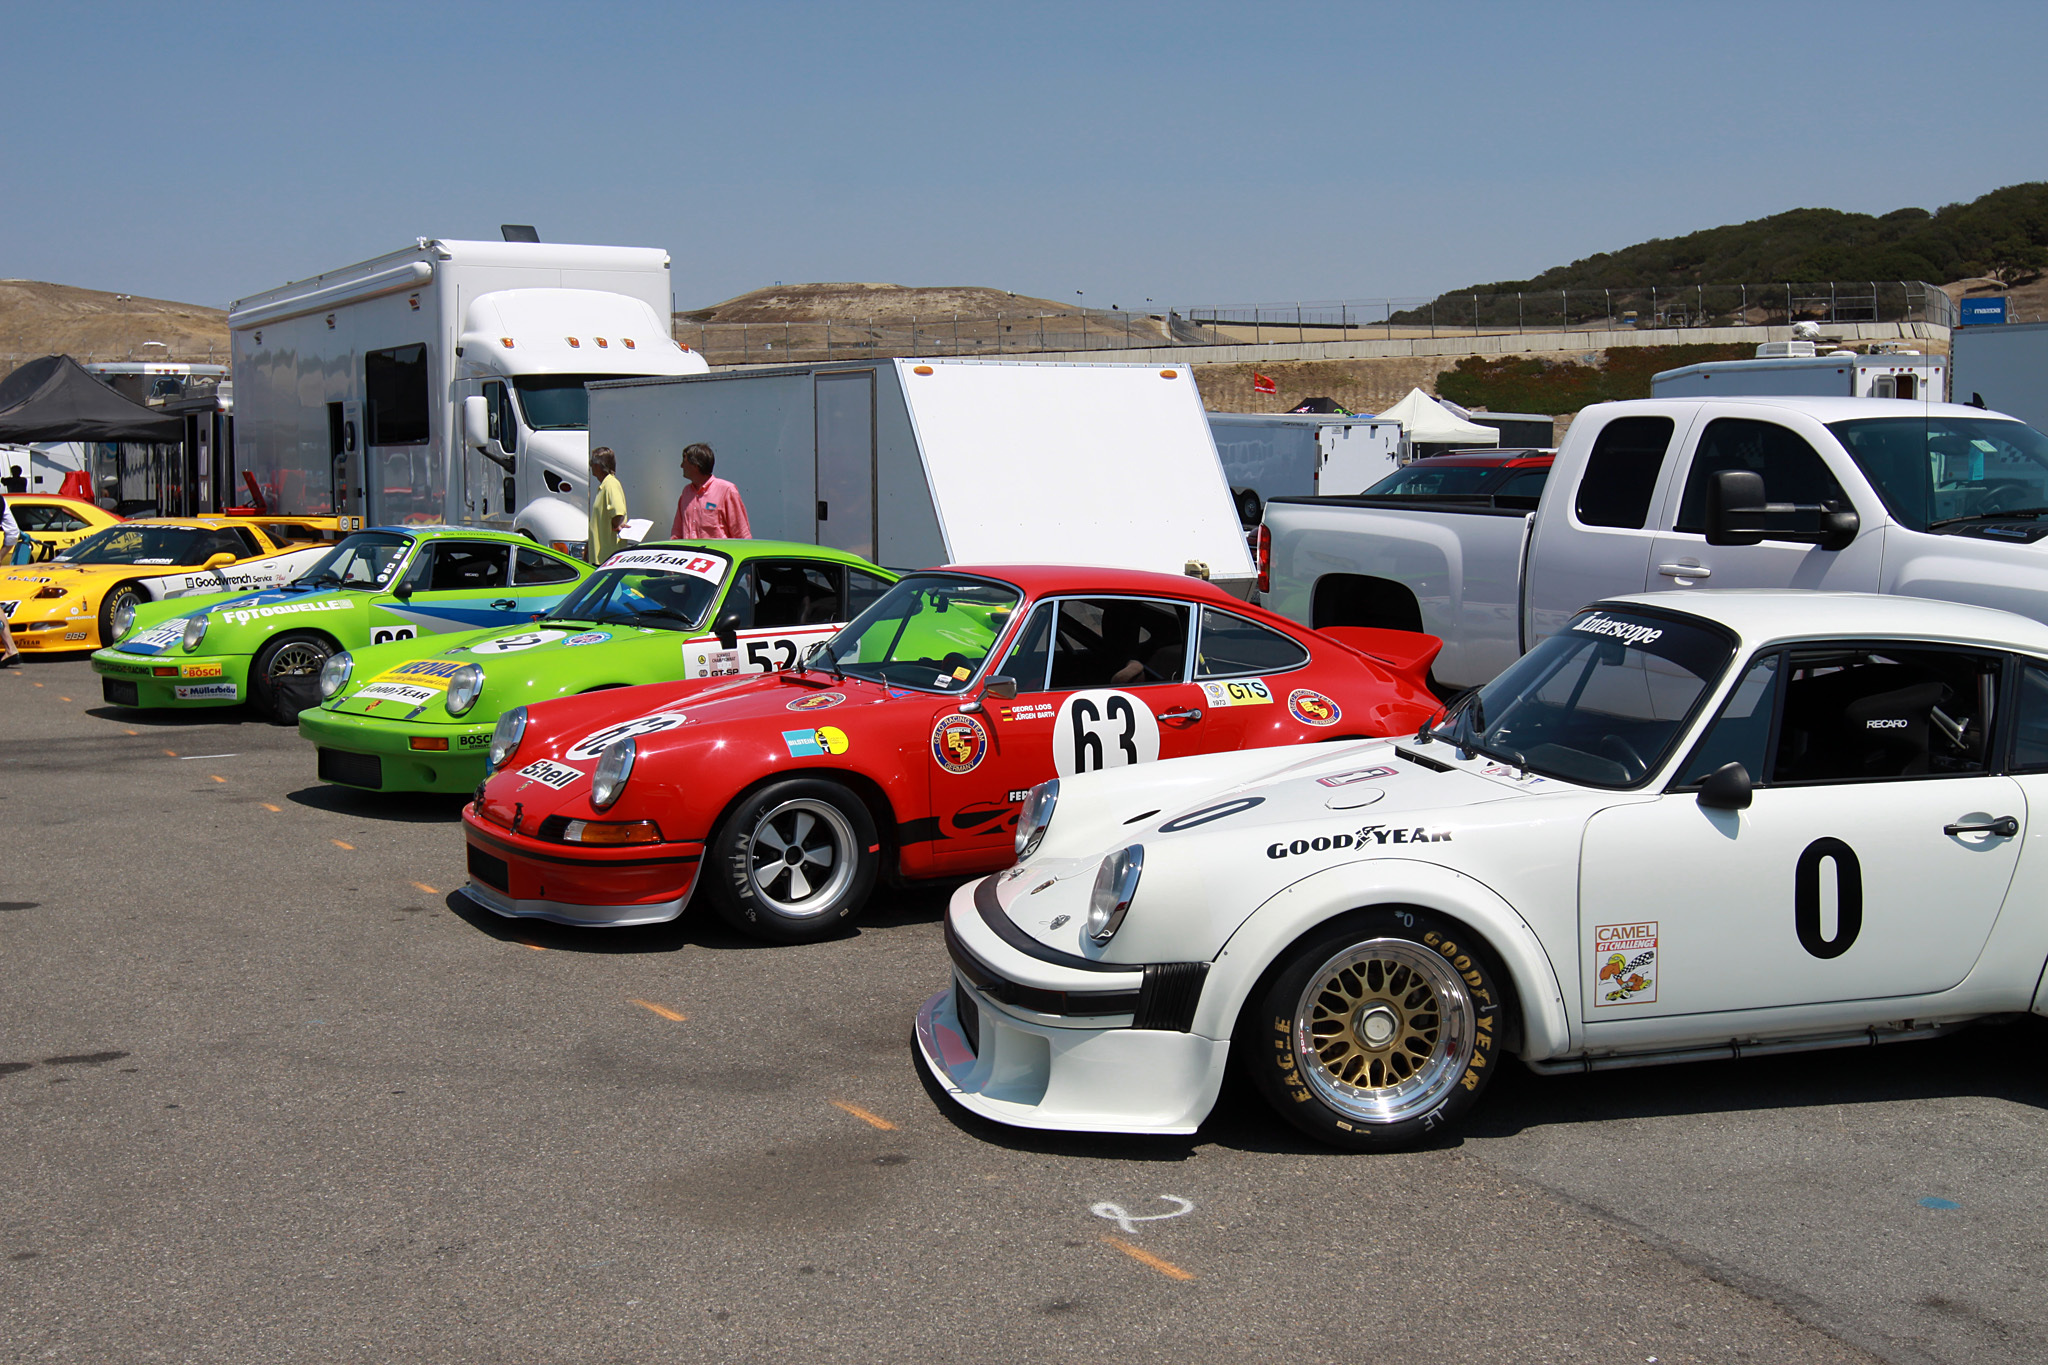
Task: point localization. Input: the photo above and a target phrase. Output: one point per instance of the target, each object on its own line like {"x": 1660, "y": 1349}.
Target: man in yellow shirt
{"x": 607, "y": 506}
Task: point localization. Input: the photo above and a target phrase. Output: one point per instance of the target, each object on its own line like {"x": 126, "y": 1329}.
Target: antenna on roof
{"x": 518, "y": 232}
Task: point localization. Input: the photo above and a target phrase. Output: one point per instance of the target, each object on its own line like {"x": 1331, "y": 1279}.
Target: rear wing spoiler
{"x": 1405, "y": 653}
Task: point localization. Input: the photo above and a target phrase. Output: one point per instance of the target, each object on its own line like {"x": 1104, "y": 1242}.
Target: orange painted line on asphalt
{"x": 663, "y": 1010}
{"x": 170, "y": 753}
{"x": 864, "y": 1116}
{"x": 524, "y": 944}
{"x": 63, "y": 699}
{"x": 424, "y": 887}
{"x": 1144, "y": 1257}
{"x": 267, "y": 806}
{"x": 339, "y": 844}
{"x": 131, "y": 732}
{"x": 38, "y": 684}
{"x": 217, "y": 779}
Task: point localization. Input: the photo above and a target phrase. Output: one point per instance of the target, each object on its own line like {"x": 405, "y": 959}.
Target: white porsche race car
{"x": 1681, "y": 828}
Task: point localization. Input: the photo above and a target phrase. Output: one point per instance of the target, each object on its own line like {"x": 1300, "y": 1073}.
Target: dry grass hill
{"x": 89, "y": 324}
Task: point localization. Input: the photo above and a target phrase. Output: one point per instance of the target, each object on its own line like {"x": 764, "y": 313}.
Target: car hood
{"x": 227, "y": 613}
{"x": 511, "y": 660}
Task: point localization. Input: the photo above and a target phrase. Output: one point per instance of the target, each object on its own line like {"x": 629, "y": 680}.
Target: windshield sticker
{"x": 593, "y": 744}
{"x": 1207, "y": 814}
{"x": 1313, "y": 708}
{"x": 959, "y": 743}
{"x": 208, "y": 692}
{"x": 160, "y": 636}
{"x": 710, "y": 568}
{"x": 1357, "y": 775}
{"x": 1242, "y": 692}
{"x": 815, "y": 743}
{"x": 549, "y": 773}
{"x": 817, "y": 701}
{"x": 1103, "y": 730}
{"x": 588, "y": 637}
{"x": 243, "y": 617}
{"x": 1628, "y": 632}
{"x": 513, "y": 644}
{"x": 1626, "y": 956}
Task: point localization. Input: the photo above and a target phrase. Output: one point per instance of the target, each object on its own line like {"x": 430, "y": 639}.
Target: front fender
{"x": 1322, "y": 896}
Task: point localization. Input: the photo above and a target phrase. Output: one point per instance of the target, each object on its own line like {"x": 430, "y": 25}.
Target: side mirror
{"x": 1726, "y": 788}
{"x": 728, "y": 630}
{"x": 403, "y": 590}
{"x": 1838, "y": 529}
{"x": 1001, "y": 688}
{"x": 216, "y": 560}
{"x": 476, "y": 422}
{"x": 1736, "y": 508}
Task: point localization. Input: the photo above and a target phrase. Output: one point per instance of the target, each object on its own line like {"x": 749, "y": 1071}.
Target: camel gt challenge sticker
{"x": 1313, "y": 708}
{"x": 1626, "y": 958}
{"x": 817, "y": 701}
{"x": 959, "y": 743}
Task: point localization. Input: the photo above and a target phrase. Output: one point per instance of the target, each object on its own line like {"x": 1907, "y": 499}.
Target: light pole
{"x": 1082, "y": 309}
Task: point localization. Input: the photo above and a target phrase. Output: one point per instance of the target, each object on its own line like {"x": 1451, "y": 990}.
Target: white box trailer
{"x": 1789, "y": 373}
{"x": 1289, "y": 454}
{"x": 2003, "y": 367}
{"x": 444, "y": 381}
{"x": 920, "y": 462}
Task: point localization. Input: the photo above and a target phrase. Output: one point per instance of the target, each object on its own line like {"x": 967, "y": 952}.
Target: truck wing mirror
{"x": 1837, "y": 529}
{"x": 1726, "y": 788}
{"x": 728, "y": 630}
{"x": 1736, "y": 508}
{"x": 476, "y": 421}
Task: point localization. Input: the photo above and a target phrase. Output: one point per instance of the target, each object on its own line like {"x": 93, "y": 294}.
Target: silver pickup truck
{"x": 1846, "y": 494}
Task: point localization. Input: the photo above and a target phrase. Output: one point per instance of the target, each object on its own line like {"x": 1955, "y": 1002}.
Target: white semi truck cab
{"x": 444, "y": 382}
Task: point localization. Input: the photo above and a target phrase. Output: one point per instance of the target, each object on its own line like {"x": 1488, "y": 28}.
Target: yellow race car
{"x": 56, "y": 524}
{"x": 71, "y": 602}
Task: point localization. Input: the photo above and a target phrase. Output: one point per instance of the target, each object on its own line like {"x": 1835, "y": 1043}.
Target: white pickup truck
{"x": 1853, "y": 494}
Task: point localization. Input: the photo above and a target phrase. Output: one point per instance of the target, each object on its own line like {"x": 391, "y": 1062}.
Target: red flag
{"x": 1261, "y": 384}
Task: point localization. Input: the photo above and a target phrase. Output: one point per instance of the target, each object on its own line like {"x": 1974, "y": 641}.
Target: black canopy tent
{"x": 54, "y": 398}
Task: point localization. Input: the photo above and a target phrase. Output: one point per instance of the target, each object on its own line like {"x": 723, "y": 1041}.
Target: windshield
{"x": 1599, "y": 703}
{"x": 1928, "y": 469}
{"x": 367, "y": 559}
{"x": 133, "y": 544}
{"x": 557, "y": 402}
{"x": 931, "y": 632}
{"x": 659, "y": 589}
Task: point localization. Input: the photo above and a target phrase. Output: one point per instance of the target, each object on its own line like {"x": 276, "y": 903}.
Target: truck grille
{"x": 353, "y": 770}
{"x": 117, "y": 692}
{"x": 489, "y": 870}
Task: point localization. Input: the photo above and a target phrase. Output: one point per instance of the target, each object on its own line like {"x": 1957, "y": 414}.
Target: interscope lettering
{"x": 1366, "y": 837}
{"x": 1628, "y": 632}
{"x": 243, "y": 616}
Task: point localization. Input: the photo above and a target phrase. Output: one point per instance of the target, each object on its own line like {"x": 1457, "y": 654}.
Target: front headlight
{"x": 1037, "y": 814}
{"x": 334, "y": 674}
{"x": 505, "y": 738}
{"x": 124, "y": 620}
{"x": 464, "y": 688}
{"x": 195, "y": 631}
{"x": 1115, "y": 883}
{"x": 614, "y": 766}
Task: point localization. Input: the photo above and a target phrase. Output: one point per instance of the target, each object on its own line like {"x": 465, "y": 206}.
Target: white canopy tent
{"x": 1424, "y": 421}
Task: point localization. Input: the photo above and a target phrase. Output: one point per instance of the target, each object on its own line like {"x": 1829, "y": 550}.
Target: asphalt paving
{"x": 273, "y": 1091}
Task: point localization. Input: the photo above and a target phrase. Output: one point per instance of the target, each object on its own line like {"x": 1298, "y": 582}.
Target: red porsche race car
{"x": 906, "y": 745}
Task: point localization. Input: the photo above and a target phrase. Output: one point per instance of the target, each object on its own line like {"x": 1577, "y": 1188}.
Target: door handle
{"x": 1685, "y": 571}
{"x": 1186, "y": 716}
{"x": 504, "y": 604}
{"x": 2005, "y": 827}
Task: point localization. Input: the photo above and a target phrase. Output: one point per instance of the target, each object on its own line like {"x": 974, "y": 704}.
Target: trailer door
{"x": 845, "y": 407}
{"x": 345, "y": 438}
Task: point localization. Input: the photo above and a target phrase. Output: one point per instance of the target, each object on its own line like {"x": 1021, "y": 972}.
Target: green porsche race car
{"x": 418, "y": 716}
{"x": 375, "y": 587}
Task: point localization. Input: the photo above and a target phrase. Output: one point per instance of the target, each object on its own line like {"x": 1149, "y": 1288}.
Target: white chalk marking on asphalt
{"x": 187, "y": 758}
{"x": 1115, "y": 1213}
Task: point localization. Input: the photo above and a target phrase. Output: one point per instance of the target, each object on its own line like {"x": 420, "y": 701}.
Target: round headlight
{"x": 335, "y": 672}
{"x": 124, "y": 620}
{"x": 1037, "y": 814}
{"x": 614, "y": 766}
{"x": 1116, "y": 881}
{"x": 505, "y": 738}
{"x": 464, "y": 688}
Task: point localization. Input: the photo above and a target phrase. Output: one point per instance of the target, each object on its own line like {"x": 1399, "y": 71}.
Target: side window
{"x": 1742, "y": 732}
{"x": 395, "y": 383}
{"x": 503, "y": 427}
{"x": 533, "y": 567}
{"x": 1524, "y": 483}
{"x": 2030, "y": 721}
{"x": 794, "y": 594}
{"x": 1231, "y": 646}
{"x": 1028, "y": 657}
{"x": 239, "y": 541}
{"x": 863, "y": 590}
{"x": 37, "y": 518}
{"x": 1119, "y": 642}
{"x": 1793, "y": 472}
{"x": 1856, "y": 714}
{"x": 460, "y": 564}
{"x": 1621, "y": 473}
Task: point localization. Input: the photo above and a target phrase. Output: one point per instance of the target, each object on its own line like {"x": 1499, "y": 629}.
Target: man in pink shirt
{"x": 710, "y": 509}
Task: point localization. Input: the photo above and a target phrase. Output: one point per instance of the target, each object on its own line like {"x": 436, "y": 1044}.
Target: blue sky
{"x": 1193, "y": 153}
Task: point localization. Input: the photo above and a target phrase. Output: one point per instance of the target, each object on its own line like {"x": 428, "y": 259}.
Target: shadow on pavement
{"x": 410, "y": 808}
{"x": 181, "y": 720}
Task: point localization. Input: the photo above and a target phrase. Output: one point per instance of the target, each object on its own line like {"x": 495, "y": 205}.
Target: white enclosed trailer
{"x": 444, "y": 381}
{"x": 2005, "y": 368}
{"x": 1790, "y": 369}
{"x": 919, "y": 462}
{"x": 1282, "y": 454}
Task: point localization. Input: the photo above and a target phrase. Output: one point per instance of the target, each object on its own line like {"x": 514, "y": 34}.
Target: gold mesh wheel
{"x": 1383, "y": 1030}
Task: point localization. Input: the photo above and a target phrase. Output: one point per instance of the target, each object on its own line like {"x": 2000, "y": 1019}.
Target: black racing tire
{"x": 116, "y": 595}
{"x": 284, "y": 676}
{"x": 1377, "y": 1031}
{"x": 793, "y": 862}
